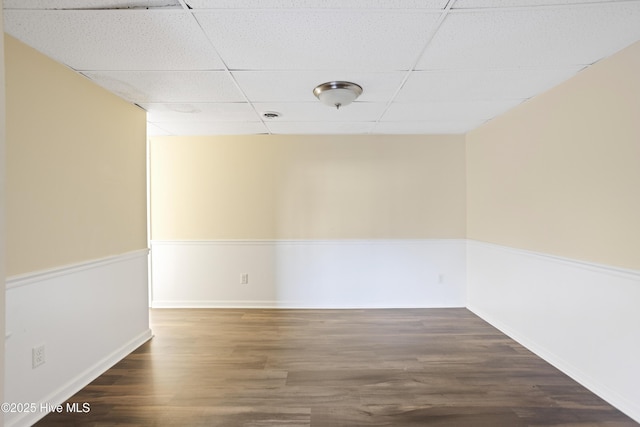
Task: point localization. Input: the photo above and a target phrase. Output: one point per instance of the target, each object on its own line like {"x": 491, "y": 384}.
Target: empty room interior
{"x": 320, "y": 213}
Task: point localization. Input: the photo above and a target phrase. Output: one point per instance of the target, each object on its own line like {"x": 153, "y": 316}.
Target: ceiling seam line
{"x": 224, "y": 64}
{"x": 441, "y": 18}
{"x": 540, "y": 6}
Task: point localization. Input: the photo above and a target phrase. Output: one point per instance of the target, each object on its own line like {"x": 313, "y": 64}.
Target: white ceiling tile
{"x": 318, "y": 39}
{"x": 447, "y": 111}
{"x": 213, "y": 128}
{"x": 471, "y": 4}
{"x": 291, "y": 86}
{"x": 154, "y": 130}
{"x": 89, "y": 4}
{"x": 115, "y": 39}
{"x": 316, "y": 111}
{"x": 319, "y": 128}
{"x": 487, "y": 57}
{"x": 200, "y": 112}
{"x": 317, "y": 4}
{"x": 535, "y": 37}
{"x": 169, "y": 86}
{"x": 480, "y": 85}
{"x": 425, "y": 127}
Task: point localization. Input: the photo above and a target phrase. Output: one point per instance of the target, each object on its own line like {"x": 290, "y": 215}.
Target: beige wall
{"x": 560, "y": 174}
{"x": 75, "y": 166}
{"x": 2, "y": 207}
{"x": 307, "y": 187}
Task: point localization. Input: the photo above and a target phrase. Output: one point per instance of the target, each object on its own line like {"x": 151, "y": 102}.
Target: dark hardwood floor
{"x": 409, "y": 367}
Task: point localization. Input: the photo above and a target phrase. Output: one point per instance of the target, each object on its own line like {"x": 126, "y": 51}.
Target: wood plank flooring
{"x": 409, "y": 367}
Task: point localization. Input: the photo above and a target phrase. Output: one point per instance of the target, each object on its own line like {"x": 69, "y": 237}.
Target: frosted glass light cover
{"x": 337, "y": 94}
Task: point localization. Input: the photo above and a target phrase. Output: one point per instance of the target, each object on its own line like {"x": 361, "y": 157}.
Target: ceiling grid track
{"x": 441, "y": 18}
{"x": 226, "y": 67}
{"x": 215, "y": 67}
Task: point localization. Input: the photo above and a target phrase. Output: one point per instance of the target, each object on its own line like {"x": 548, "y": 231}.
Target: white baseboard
{"x": 581, "y": 317}
{"x": 88, "y": 316}
{"x": 58, "y": 397}
{"x": 214, "y": 304}
{"x": 293, "y": 305}
{"x": 309, "y": 273}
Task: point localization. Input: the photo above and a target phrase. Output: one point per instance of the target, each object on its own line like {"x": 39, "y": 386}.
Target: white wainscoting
{"x": 582, "y": 318}
{"x": 309, "y": 273}
{"x": 88, "y": 316}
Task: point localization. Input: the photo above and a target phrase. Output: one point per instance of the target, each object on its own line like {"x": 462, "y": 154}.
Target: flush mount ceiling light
{"x": 337, "y": 94}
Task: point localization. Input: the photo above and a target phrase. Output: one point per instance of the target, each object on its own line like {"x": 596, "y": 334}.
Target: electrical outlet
{"x": 37, "y": 356}
{"x": 244, "y": 279}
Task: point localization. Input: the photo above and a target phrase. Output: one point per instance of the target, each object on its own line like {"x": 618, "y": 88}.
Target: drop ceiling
{"x": 426, "y": 66}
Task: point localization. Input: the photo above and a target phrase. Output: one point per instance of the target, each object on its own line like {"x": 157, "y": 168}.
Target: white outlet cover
{"x": 37, "y": 356}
